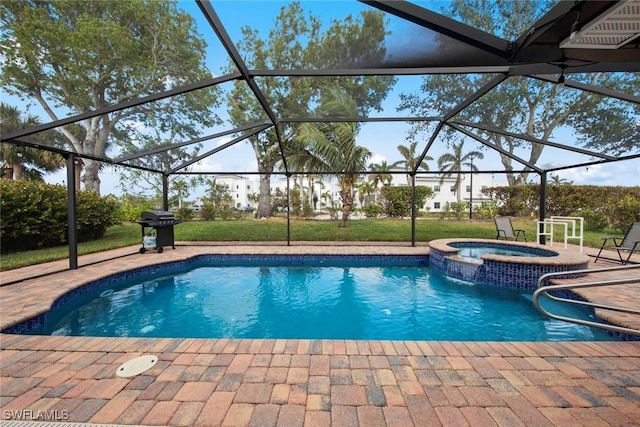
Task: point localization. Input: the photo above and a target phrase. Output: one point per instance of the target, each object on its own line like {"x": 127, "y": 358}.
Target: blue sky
{"x": 381, "y": 139}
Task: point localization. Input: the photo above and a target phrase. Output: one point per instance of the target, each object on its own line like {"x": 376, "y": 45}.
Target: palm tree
{"x": 364, "y": 189}
{"x": 181, "y": 189}
{"x": 411, "y": 160}
{"x": 556, "y": 180}
{"x": 331, "y": 147}
{"x": 26, "y": 162}
{"x": 380, "y": 173}
{"x": 454, "y": 163}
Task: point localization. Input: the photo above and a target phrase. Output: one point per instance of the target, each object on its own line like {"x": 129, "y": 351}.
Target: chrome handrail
{"x": 543, "y": 290}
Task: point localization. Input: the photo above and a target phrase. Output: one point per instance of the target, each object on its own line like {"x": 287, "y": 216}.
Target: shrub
{"x": 459, "y": 209}
{"x": 208, "y": 212}
{"x": 487, "y": 210}
{"x": 225, "y": 212}
{"x": 396, "y": 201}
{"x": 185, "y": 214}
{"x": 307, "y": 210}
{"x": 594, "y": 220}
{"x": 131, "y": 208}
{"x": 295, "y": 202}
{"x": 95, "y": 215}
{"x": 517, "y": 200}
{"x": 33, "y": 215}
{"x": 372, "y": 210}
{"x": 624, "y": 212}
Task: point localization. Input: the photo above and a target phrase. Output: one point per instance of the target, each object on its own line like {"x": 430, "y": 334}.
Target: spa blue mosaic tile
{"x": 504, "y": 274}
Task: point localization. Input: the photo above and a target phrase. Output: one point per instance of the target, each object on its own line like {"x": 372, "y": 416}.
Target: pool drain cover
{"x": 136, "y": 366}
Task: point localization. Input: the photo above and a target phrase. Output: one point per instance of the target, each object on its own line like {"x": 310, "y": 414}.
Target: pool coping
{"x": 564, "y": 256}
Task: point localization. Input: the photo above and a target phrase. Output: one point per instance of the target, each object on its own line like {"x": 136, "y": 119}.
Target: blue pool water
{"x": 477, "y": 252}
{"x": 317, "y": 302}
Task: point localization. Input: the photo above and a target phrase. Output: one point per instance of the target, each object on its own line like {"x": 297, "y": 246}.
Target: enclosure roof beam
{"x": 220, "y": 148}
{"x": 390, "y": 71}
{"x": 432, "y": 139}
{"x": 539, "y": 29}
{"x": 443, "y": 25}
{"x": 494, "y": 129}
{"x": 192, "y": 141}
{"x": 215, "y": 23}
{"x": 121, "y": 106}
{"x": 487, "y": 87}
{"x": 595, "y": 162}
{"x": 635, "y": 99}
{"x": 494, "y": 147}
{"x": 362, "y": 119}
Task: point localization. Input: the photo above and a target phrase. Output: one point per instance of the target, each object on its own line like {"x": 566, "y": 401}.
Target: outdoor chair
{"x": 630, "y": 243}
{"x": 506, "y": 231}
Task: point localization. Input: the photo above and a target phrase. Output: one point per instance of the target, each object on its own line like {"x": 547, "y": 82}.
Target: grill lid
{"x": 156, "y": 216}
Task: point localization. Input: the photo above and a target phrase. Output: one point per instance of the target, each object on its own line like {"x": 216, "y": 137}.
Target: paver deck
{"x": 235, "y": 382}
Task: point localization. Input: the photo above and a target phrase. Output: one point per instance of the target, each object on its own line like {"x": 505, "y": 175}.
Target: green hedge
{"x": 602, "y": 207}
{"x": 33, "y": 215}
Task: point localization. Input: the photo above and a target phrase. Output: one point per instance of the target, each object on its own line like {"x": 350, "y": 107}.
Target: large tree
{"x": 299, "y": 41}
{"x": 525, "y": 105}
{"x": 141, "y": 182}
{"x": 76, "y": 56}
{"x": 325, "y": 147}
{"x": 26, "y": 162}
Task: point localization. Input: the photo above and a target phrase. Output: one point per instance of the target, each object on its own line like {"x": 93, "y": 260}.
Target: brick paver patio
{"x": 236, "y": 382}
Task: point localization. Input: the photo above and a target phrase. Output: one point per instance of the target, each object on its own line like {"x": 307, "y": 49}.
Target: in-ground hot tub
{"x": 506, "y": 264}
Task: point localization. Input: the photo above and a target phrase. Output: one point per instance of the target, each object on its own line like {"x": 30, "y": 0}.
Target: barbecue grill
{"x": 162, "y": 222}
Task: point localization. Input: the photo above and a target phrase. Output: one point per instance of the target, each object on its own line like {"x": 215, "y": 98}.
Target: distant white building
{"x": 239, "y": 187}
{"x": 443, "y": 191}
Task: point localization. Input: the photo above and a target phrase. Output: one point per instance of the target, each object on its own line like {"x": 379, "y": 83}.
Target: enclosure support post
{"x": 413, "y": 209}
{"x": 471, "y": 190}
{"x": 72, "y": 219}
{"x": 543, "y": 206}
{"x": 288, "y": 213}
{"x": 165, "y": 192}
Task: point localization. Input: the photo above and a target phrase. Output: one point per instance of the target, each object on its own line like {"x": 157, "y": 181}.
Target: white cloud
{"x": 223, "y": 140}
{"x": 621, "y": 173}
{"x": 206, "y": 165}
{"x": 377, "y": 159}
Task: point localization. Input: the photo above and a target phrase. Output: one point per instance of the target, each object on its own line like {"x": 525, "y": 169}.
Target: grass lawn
{"x": 275, "y": 229}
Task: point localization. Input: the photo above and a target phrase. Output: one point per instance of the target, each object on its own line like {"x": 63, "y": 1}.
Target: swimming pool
{"x": 383, "y": 298}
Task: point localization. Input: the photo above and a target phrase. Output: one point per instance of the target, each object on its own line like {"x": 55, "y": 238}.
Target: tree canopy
{"x": 298, "y": 41}
{"x": 524, "y": 105}
{"x": 72, "y": 57}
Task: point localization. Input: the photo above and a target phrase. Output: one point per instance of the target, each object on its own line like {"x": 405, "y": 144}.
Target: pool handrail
{"x": 544, "y": 289}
